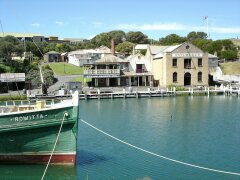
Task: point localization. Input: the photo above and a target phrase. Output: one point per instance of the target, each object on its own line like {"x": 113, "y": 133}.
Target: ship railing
{"x": 9, "y": 106}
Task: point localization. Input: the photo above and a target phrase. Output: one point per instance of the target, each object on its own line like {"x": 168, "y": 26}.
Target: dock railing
{"x": 159, "y": 92}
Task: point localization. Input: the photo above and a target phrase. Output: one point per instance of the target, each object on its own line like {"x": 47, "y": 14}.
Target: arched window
{"x": 175, "y": 77}
{"x": 199, "y": 76}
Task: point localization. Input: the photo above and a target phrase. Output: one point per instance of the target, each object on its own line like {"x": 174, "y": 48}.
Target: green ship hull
{"x": 29, "y": 136}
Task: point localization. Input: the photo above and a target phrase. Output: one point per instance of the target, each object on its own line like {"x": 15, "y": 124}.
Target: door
{"x": 187, "y": 79}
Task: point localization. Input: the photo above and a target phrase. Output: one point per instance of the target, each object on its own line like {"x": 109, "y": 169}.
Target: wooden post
{"x": 98, "y": 93}
{"x": 149, "y": 92}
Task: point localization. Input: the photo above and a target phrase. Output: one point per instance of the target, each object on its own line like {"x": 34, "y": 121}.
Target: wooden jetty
{"x": 151, "y": 92}
{"x": 160, "y": 93}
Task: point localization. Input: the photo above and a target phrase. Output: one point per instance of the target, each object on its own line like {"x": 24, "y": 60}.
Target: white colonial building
{"x": 87, "y": 56}
{"x": 140, "y": 70}
{"x": 80, "y": 57}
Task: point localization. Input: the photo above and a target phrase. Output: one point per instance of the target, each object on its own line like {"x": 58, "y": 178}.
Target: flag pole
{"x": 207, "y": 28}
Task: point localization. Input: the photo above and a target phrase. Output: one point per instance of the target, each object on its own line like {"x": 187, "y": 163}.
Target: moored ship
{"x": 33, "y": 133}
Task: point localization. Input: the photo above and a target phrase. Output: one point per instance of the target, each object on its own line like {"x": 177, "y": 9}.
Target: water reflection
{"x": 30, "y": 172}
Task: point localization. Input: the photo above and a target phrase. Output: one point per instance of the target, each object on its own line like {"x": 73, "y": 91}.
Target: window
{"x": 199, "y": 62}
{"x": 199, "y": 76}
{"x": 175, "y": 77}
{"x": 187, "y": 63}
{"x": 174, "y": 62}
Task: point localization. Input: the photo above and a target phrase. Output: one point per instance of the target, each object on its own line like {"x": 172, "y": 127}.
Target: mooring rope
{"x": 160, "y": 156}
{"x": 59, "y": 131}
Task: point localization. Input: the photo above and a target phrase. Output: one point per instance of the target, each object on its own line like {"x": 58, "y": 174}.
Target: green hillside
{"x": 65, "y": 69}
{"x": 231, "y": 68}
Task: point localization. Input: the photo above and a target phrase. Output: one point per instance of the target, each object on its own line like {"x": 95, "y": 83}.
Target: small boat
{"x": 33, "y": 133}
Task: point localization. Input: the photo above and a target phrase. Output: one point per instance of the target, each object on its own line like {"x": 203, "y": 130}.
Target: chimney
{"x": 113, "y": 47}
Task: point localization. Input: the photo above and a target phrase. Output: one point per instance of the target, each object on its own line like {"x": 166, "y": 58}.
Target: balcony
{"x": 187, "y": 66}
{"x": 102, "y": 73}
{"x": 140, "y": 71}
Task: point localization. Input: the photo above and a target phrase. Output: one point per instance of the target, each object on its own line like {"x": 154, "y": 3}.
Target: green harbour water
{"x": 199, "y": 130}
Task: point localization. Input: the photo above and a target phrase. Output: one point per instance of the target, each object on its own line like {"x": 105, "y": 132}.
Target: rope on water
{"x": 59, "y": 131}
{"x": 160, "y": 156}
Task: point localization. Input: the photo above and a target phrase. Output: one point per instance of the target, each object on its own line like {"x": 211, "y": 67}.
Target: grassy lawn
{"x": 80, "y": 79}
{"x": 65, "y": 69}
{"x": 5, "y": 68}
{"x": 232, "y": 68}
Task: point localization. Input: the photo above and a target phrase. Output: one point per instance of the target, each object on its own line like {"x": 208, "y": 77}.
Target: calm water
{"x": 198, "y": 130}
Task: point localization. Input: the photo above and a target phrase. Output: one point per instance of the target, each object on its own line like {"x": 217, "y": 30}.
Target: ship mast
{"x": 43, "y": 85}
{"x": 206, "y": 19}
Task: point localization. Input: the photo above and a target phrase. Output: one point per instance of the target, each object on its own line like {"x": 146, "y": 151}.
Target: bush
{"x": 34, "y": 76}
{"x": 15, "y": 97}
{"x": 48, "y": 77}
{"x": 178, "y": 88}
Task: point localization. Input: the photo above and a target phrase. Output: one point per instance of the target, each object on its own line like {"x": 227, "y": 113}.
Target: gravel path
{"x": 61, "y": 81}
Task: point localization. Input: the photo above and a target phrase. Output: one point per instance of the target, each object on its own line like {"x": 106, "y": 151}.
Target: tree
{"x": 9, "y": 47}
{"x": 48, "y": 76}
{"x": 11, "y": 39}
{"x": 136, "y": 37}
{"x": 49, "y": 47}
{"x": 172, "y": 39}
{"x": 38, "y": 48}
{"x": 6, "y": 50}
{"x": 118, "y": 36}
{"x": 34, "y": 76}
{"x": 204, "y": 44}
{"x": 196, "y": 35}
{"x": 125, "y": 47}
{"x": 229, "y": 54}
{"x": 102, "y": 39}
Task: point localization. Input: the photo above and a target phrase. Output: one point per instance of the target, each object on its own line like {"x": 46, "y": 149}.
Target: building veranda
{"x": 112, "y": 71}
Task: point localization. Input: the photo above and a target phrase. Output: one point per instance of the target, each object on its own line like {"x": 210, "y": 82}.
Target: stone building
{"x": 52, "y": 56}
{"x": 180, "y": 65}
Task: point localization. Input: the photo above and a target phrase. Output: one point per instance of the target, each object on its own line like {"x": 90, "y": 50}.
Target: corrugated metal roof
{"x": 20, "y": 35}
{"x": 212, "y": 56}
{"x": 165, "y": 49}
{"x": 159, "y": 55}
{"x": 53, "y": 52}
{"x": 103, "y": 50}
{"x": 64, "y": 54}
{"x": 134, "y": 56}
{"x": 12, "y": 77}
{"x": 74, "y": 39}
{"x": 109, "y": 59}
{"x": 141, "y": 46}
{"x": 156, "y": 49}
{"x": 83, "y": 51}
{"x": 172, "y": 48}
